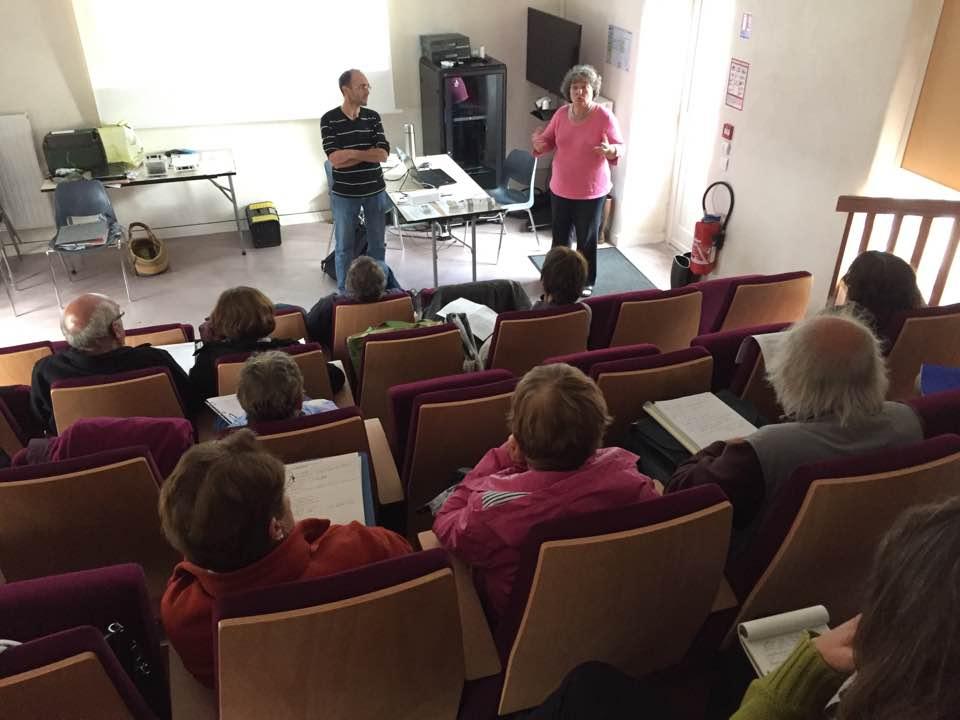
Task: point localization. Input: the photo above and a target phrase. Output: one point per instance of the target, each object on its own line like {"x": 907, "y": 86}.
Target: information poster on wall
{"x": 737, "y": 83}
{"x": 618, "y": 47}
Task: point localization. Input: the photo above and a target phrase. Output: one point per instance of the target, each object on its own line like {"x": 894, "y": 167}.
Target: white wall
{"x": 822, "y": 75}
{"x": 42, "y": 72}
{"x": 646, "y": 102}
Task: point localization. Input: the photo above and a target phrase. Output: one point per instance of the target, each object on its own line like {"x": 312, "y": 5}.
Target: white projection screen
{"x": 175, "y": 63}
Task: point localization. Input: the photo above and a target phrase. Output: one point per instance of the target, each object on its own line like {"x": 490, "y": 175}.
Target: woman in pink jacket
{"x": 550, "y": 467}
{"x": 585, "y": 139}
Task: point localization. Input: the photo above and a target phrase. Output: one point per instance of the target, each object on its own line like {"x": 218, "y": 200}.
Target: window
{"x": 165, "y": 63}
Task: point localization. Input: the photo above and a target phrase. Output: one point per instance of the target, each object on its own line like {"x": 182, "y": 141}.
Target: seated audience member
{"x": 167, "y": 439}
{"x": 367, "y": 281}
{"x": 225, "y": 508}
{"x": 271, "y": 388}
{"x": 550, "y": 467}
{"x": 830, "y": 379}
{"x": 92, "y": 327}
{"x": 562, "y": 277}
{"x": 882, "y": 285}
{"x": 903, "y": 647}
{"x": 241, "y": 321}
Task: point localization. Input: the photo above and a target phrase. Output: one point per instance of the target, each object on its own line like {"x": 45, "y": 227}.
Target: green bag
{"x": 121, "y": 145}
{"x": 356, "y": 342}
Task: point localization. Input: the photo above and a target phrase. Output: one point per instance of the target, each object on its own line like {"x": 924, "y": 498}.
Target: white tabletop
{"x": 464, "y": 197}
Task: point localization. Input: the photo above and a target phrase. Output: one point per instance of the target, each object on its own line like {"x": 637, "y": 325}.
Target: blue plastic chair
{"x": 521, "y": 167}
{"x": 84, "y": 198}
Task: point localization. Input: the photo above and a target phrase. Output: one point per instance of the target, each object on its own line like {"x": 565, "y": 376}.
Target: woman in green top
{"x": 905, "y": 646}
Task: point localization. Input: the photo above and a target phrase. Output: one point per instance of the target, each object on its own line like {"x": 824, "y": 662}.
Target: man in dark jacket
{"x": 92, "y": 327}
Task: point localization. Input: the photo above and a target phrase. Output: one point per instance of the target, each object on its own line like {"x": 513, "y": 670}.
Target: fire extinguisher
{"x": 709, "y": 234}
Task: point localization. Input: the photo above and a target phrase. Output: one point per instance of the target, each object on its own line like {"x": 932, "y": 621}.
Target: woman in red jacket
{"x": 224, "y": 507}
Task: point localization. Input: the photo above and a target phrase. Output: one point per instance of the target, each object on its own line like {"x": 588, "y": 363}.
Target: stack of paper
{"x": 769, "y": 641}
{"x": 481, "y": 318}
{"x": 329, "y": 487}
{"x": 698, "y": 420}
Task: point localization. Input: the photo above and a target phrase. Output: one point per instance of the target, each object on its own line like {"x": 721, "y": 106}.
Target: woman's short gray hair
{"x": 270, "y": 387}
{"x": 823, "y": 370}
{"x": 580, "y": 73}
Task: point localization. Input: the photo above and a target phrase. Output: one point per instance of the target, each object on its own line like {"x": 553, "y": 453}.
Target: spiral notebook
{"x": 769, "y": 641}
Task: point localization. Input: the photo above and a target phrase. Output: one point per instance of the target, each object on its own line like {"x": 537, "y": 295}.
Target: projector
{"x": 423, "y": 197}
{"x": 184, "y": 161}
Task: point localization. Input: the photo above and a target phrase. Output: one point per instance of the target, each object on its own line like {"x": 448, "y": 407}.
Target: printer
{"x": 452, "y": 47}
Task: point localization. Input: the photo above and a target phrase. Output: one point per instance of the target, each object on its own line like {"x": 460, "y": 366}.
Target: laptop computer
{"x": 429, "y": 178}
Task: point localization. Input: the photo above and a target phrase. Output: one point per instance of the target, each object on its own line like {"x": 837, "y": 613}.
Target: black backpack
{"x": 329, "y": 263}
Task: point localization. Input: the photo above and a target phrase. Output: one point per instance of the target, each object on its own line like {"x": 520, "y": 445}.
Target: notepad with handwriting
{"x": 329, "y": 487}
{"x": 769, "y": 641}
{"x": 698, "y": 420}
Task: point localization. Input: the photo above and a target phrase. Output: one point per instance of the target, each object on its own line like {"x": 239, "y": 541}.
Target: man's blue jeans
{"x": 345, "y": 213}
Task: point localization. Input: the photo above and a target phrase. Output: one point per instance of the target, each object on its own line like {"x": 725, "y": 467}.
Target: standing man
{"x": 354, "y": 142}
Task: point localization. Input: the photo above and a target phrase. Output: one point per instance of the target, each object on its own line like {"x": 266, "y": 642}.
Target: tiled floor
{"x": 202, "y": 266}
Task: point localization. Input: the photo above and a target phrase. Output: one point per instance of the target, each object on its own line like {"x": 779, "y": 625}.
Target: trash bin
{"x": 680, "y": 274}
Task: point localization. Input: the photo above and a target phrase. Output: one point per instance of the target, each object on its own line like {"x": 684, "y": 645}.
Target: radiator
{"x": 20, "y": 175}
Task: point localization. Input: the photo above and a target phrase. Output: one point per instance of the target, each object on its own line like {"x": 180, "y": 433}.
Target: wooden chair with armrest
{"x": 524, "y": 338}
{"x": 291, "y": 323}
{"x": 736, "y": 302}
{"x": 382, "y": 640}
{"x": 89, "y": 512}
{"x": 669, "y": 319}
{"x": 168, "y": 334}
{"x": 404, "y": 356}
{"x": 927, "y": 335}
{"x": 310, "y": 358}
{"x": 17, "y": 361}
{"x": 627, "y": 384}
{"x": 137, "y": 393}
{"x": 351, "y": 317}
{"x": 816, "y": 541}
{"x": 631, "y": 587}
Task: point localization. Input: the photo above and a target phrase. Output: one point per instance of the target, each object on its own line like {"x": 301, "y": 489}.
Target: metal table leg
{"x": 473, "y": 245}
{"x": 433, "y": 234}
{"x": 231, "y": 195}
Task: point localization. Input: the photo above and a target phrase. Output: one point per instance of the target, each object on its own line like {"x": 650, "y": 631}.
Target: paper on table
{"x": 769, "y": 641}
{"x": 698, "y": 420}
{"x": 770, "y": 344}
{"x": 482, "y": 319}
{"x": 327, "y": 488}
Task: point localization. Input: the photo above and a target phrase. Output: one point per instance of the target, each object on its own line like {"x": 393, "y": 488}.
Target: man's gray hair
{"x": 822, "y": 371}
{"x": 270, "y": 387}
{"x": 580, "y": 73}
{"x": 96, "y": 331}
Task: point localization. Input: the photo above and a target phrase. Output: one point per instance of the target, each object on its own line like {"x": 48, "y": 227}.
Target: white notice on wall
{"x": 737, "y": 83}
{"x": 618, "y": 47}
{"x": 746, "y": 26}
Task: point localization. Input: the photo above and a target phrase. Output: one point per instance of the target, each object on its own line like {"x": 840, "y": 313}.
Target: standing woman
{"x": 586, "y": 140}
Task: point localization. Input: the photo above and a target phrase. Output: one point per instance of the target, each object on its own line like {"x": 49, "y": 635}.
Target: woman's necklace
{"x": 577, "y": 117}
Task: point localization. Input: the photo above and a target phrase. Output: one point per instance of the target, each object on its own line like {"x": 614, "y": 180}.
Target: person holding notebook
{"x": 225, "y": 508}
{"x": 550, "y": 467}
{"x": 831, "y": 381}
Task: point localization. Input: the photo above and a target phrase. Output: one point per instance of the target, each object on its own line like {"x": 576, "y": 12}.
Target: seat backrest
{"x": 291, "y": 324}
{"x": 72, "y": 674}
{"x": 669, "y": 320}
{"x": 169, "y": 334}
{"x": 402, "y": 398}
{"x": 17, "y": 361}
{"x": 351, "y": 318}
{"x": 394, "y": 358}
{"x": 928, "y": 335}
{"x": 524, "y": 338}
{"x": 138, "y": 393}
{"x": 627, "y": 384}
{"x": 768, "y": 299}
{"x": 376, "y": 642}
{"x": 586, "y": 360}
{"x": 97, "y": 510}
{"x": 310, "y": 358}
{"x": 822, "y": 530}
{"x": 79, "y": 198}
{"x": 630, "y": 587}
{"x": 939, "y": 413}
{"x": 725, "y": 349}
{"x": 314, "y": 436}
{"x": 521, "y": 167}
{"x": 12, "y": 439}
{"x": 750, "y": 382}
{"x": 450, "y": 429}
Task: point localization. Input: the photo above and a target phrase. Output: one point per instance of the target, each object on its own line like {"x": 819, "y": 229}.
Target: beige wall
{"x": 42, "y": 72}
{"x": 822, "y": 75}
{"x": 646, "y": 102}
